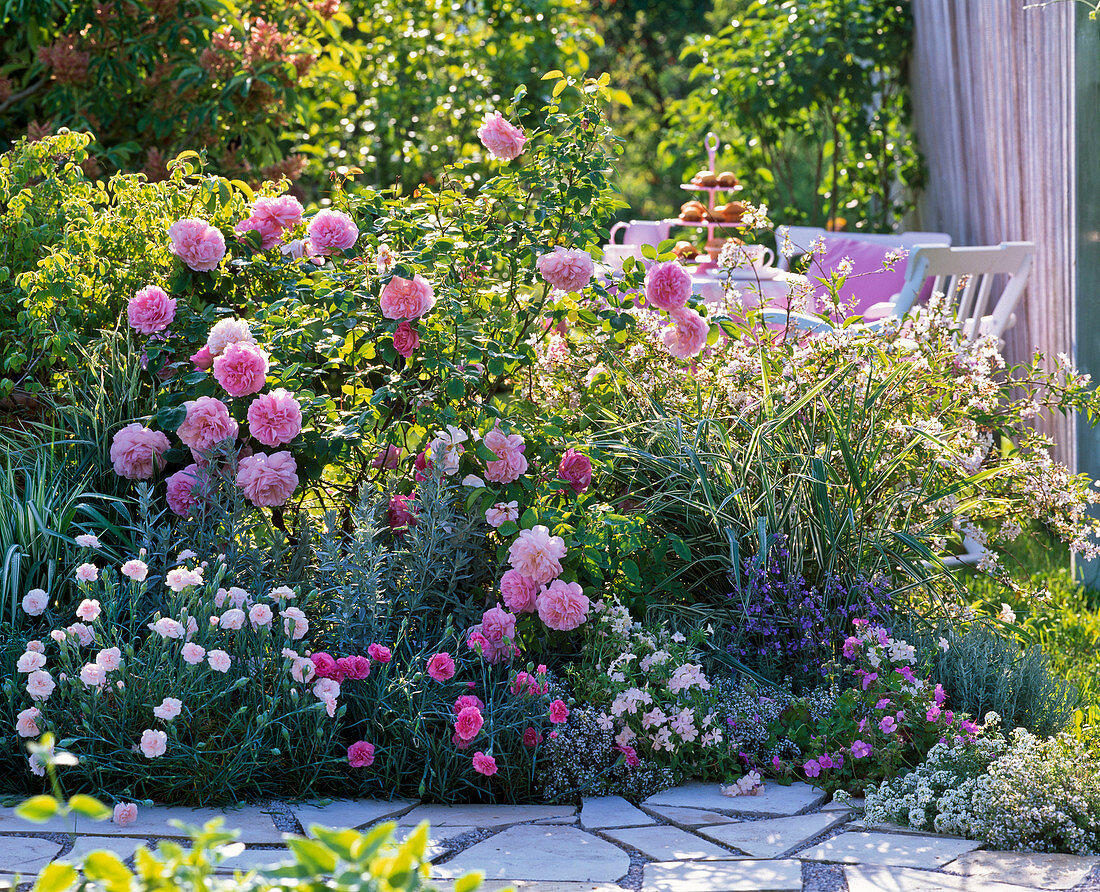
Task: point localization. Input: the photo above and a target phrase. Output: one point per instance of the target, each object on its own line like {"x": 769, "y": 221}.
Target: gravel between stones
{"x": 823, "y": 877}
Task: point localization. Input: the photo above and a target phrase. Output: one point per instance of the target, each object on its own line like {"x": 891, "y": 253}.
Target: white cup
{"x": 753, "y": 257}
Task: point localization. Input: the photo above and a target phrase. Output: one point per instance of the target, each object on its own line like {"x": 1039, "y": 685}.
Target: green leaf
{"x": 89, "y": 807}
{"x": 56, "y": 878}
{"x": 107, "y": 867}
{"x": 468, "y": 882}
{"x": 549, "y": 76}
{"x": 38, "y": 809}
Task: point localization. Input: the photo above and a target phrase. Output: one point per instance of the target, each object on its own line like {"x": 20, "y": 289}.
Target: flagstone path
{"x": 688, "y": 839}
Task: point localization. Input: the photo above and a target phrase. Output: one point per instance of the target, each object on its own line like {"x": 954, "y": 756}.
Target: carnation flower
{"x": 153, "y": 743}
{"x": 197, "y": 243}
{"x": 35, "y": 602}
{"x": 136, "y": 570}
{"x": 406, "y": 298}
{"x": 218, "y": 660}
{"x": 355, "y": 667}
{"x": 242, "y": 369}
{"x": 576, "y": 470}
{"x": 259, "y": 615}
{"x": 380, "y": 652}
{"x": 268, "y": 480}
{"x": 125, "y": 813}
{"x": 331, "y": 231}
{"x": 87, "y": 573}
{"x": 441, "y": 667}
{"x": 484, "y": 764}
{"x": 193, "y": 654}
{"x": 29, "y": 661}
{"x": 537, "y": 555}
{"x": 504, "y": 141}
{"x": 110, "y": 658}
{"x": 667, "y": 285}
{"x": 465, "y": 702}
{"x": 179, "y": 578}
{"x": 688, "y": 335}
{"x": 562, "y": 605}
{"x": 92, "y": 675}
{"x": 295, "y": 624}
{"x": 559, "y": 712}
{"x": 275, "y": 418}
{"x": 26, "y": 722}
{"x": 519, "y": 592}
{"x": 136, "y": 451}
{"x": 169, "y": 708}
{"x": 40, "y": 684}
{"x": 87, "y": 540}
{"x": 226, "y": 332}
{"x": 361, "y": 754}
{"x": 532, "y": 737}
{"x": 232, "y": 619}
{"x": 569, "y": 270}
{"x": 88, "y": 610}
{"x": 468, "y": 723}
{"x": 81, "y": 633}
{"x": 167, "y": 627}
{"x": 207, "y": 422}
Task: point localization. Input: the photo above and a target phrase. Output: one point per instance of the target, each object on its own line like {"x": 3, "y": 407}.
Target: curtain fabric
{"x": 993, "y": 86}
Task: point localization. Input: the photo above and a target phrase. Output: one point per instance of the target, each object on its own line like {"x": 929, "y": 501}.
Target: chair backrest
{"x": 801, "y": 237}
{"x": 967, "y": 275}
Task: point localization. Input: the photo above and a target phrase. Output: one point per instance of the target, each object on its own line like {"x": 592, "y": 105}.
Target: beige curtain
{"x": 992, "y": 84}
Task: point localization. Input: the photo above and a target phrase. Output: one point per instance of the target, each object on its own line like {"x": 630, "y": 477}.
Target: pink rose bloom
{"x": 511, "y": 463}
{"x": 295, "y": 624}
{"x": 275, "y": 418}
{"x": 260, "y": 615}
{"x": 153, "y": 743}
{"x": 569, "y": 270}
{"x": 26, "y": 722}
{"x": 498, "y": 625}
{"x": 562, "y": 605}
{"x": 484, "y": 764}
{"x": 268, "y": 480}
{"x": 87, "y": 573}
{"x": 110, "y": 658}
{"x": 125, "y": 813}
{"x": 302, "y": 249}
{"x": 88, "y": 610}
{"x": 218, "y": 660}
{"x": 503, "y": 140}
{"x": 502, "y": 513}
{"x": 518, "y": 591}
{"x": 576, "y": 470}
{"x": 271, "y": 234}
{"x": 667, "y": 285}
{"x": 35, "y": 602}
{"x": 688, "y": 335}
{"x": 406, "y": 340}
{"x": 466, "y": 701}
{"x": 225, "y": 332}
{"x": 150, "y": 310}
{"x": 537, "y": 554}
{"x": 380, "y": 652}
{"x": 285, "y": 211}
{"x": 406, "y": 298}
{"x": 468, "y": 723}
{"x": 40, "y": 684}
{"x": 361, "y": 754}
{"x": 332, "y": 231}
{"x": 531, "y": 738}
{"x": 559, "y": 712}
{"x": 399, "y": 514}
{"x": 388, "y": 458}
{"x": 185, "y": 491}
{"x": 193, "y": 654}
{"x": 441, "y": 667}
{"x": 169, "y": 708}
{"x": 241, "y": 369}
{"x": 197, "y": 243}
{"x": 355, "y": 667}
{"x": 137, "y": 451}
{"x": 201, "y": 359}
{"x": 136, "y": 570}
{"x": 206, "y": 423}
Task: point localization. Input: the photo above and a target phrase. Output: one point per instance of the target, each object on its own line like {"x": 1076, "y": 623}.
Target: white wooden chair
{"x": 965, "y": 274}
{"x": 801, "y": 237}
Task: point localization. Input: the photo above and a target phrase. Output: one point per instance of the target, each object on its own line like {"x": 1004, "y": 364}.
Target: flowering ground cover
{"x": 407, "y": 495}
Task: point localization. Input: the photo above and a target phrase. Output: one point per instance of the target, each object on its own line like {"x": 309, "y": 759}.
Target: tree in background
{"x": 811, "y": 99}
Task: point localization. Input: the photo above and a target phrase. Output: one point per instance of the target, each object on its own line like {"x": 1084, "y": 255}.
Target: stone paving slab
{"x": 27, "y": 854}
{"x": 691, "y": 817}
{"x": 545, "y": 854}
{"x": 869, "y": 878}
{"x": 602, "y": 812}
{"x": 833, "y": 805}
{"x": 665, "y": 843}
{"x": 122, "y": 847}
{"x": 1041, "y": 870}
{"x": 890, "y": 850}
{"x": 723, "y": 876}
{"x": 253, "y": 821}
{"x": 774, "y": 799}
{"x": 254, "y": 859}
{"x": 772, "y": 837}
{"x": 348, "y": 813}
{"x": 487, "y": 815}
{"x": 531, "y": 886}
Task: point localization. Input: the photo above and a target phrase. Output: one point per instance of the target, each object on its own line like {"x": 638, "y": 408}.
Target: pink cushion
{"x": 867, "y": 284}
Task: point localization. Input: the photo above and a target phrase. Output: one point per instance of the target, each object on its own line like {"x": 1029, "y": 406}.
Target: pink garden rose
{"x": 225, "y": 332}
{"x": 332, "y": 231}
{"x": 35, "y": 602}
{"x": 206, "y": 424}
{"x": 406, "y": 340}
{"x": 484, "y": 764}
{"x": 153, "y": 743}
{"x": 537, "y": 555}
{"x": 399, "y": 514}
{"x": 518, "y": 591}
{"x": 241, "y": 369}
{"x": 511, "y": 464}
{"x": 271, "y": 233}
{"x": 186, "y": 489}
{"x": 498, "y": 626}
{"x": 201, "y": 359}
{"x": 150, "y": 310}
{"x": 562, "y": 605}
{"x": 285, "y": 211}
{"x": 268, "y": 480}
{"x": 504, "y": 141}
{"x": 687, "y": 336}
{"x": 468, "y": 723}
{"x": 197, "y": 243}
{"x": 567, "y": 269}
{"x": 406, "y": 298}
{"x": 388, "y": 458}
{"x": 136, "y": 451}
{"x": 576, "y": 470}
{"x": 275, "y": 418}
{"x": 125, "y": 813}
{"x": 361, "y": 754}
{"x": 441, "y": 667}
{"x": 667, "y": 285}
{"x": 501, "y": 513}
